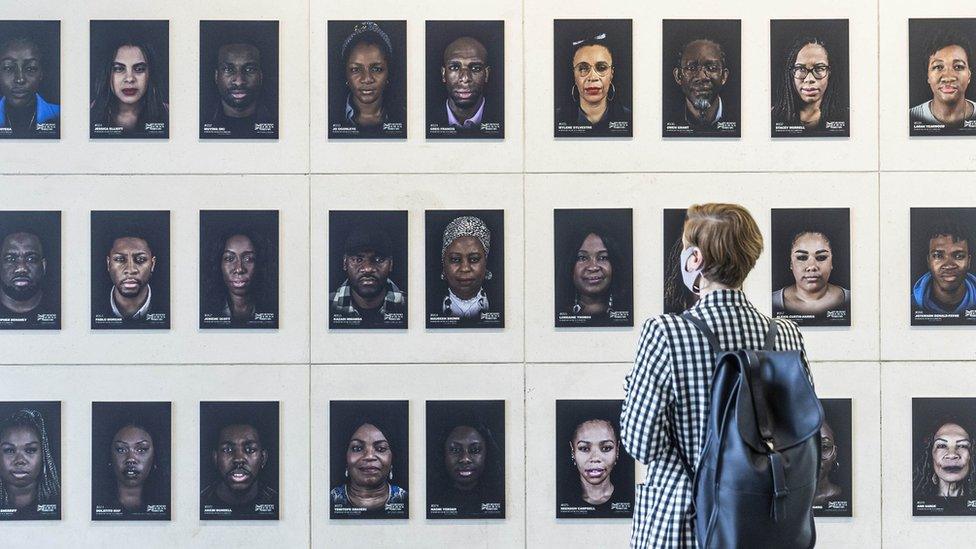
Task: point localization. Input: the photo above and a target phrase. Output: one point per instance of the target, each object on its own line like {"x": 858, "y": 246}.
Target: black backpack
{"x": 757, "y": 471}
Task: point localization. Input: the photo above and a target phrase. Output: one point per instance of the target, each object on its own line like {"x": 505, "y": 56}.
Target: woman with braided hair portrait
{"x": 30, "y": 487}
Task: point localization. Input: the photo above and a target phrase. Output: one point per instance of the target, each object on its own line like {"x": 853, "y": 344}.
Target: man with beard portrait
{"x": 368, "y": 293}
{"x": 701, "y": 73}
{"x": 22, "y": 275}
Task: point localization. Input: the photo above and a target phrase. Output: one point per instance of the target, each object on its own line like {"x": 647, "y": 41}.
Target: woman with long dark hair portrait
{"x": 28, "y": 471}
{"x": 238, "y": 264}
{"x": 593, "y": 101}
{"x": 806, "y": 92}
{"x": 600, "y": 275}
{"x": 132, "y": 450}
{"x": 369, "y": 481}
{"x": 943, "y": 464}
{"x": 127, "y": 92}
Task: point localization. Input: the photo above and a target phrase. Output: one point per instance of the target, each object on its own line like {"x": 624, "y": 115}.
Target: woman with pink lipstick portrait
{"x": 465, "y": 459}
{"x": 809, "y": 78}
{"x": 30, "y": 487}
{"x": 593, "y": 273}
{"x": 367, "y": 80}
{"x": 130, "y": 461}
{"x": 129, "y": 80}
{"x": 811, "y": 266}
{"x": 943, "y": 105}
{"x": 593, "y": 62}
{"x": 239, "y": 269}
{"x": 369, "y": 471}
{"x": 944, "y": 475}
{"x": 595, "y": 478}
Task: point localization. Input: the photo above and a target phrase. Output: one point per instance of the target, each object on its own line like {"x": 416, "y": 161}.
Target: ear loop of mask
{"x": 690, "y": 278}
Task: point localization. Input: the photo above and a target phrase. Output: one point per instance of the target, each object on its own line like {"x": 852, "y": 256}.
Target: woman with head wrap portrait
{"x": 28, "y": 469}
{"x": 369, "y": 482}
{"x": 464, "y": 295}
{"x": 127, "y": 92}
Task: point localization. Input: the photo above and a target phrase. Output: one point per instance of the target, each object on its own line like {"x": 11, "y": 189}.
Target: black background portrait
{"x": 391, "y": 418}
{"x": 923, "y": 222}
{"x": 491, "y": 34}
{"x": 619, "y": 40}
{"x": 45, "y": 225}
{"x": 488, "y": 499}
{"x": 834, "y": 34}
{"x": 928, "y": 415}
{"x": 836, "y": 224}
{"x": 837, "y": 414}
{"x": 216, "y": 226}
{"x": 921, "y": 33}
{"x": 677, "y": 297}
{"x": 263, "y": 416}
{"x": 264, "y": 36}
{"x": 617, "y": 225}
{"x": 570, "y": 414}
{"x": 437, "y": 290}
{"x": 47, "y": 36}
{"x": 153, "y": 227}
{"x": 51, "y": 413}
{"x": 394, "y": 224}
{"x": 394, "y": 96}
{"x": 107, "y": 419}
{"x": 677, "y": 33}
{"x": 106, "y": 37}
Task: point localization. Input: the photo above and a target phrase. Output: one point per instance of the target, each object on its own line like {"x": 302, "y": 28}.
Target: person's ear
{"x": 725, "y": 76}
{"x": 152, "y": 264}
{"x": 487, "y": 73}
{"x": 108, "y": 263}
{"x": 677, "y": 75}
{"x": 264, "y": 458}
{"x": 44, "y": 267}
{"x": 443, "y": 73}
{"x": 695, "y": 260}
{"x": 213, "y": 456}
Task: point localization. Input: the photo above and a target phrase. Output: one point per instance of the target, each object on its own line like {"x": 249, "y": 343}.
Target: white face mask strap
{"x": 690, "y": 278}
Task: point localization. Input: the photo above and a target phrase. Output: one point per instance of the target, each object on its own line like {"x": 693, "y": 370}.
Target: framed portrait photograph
{"x": 943, "y": 474}
{"x": 834, "y": 496}
{"x": 30, "y": 104}
{"x": 30, "y": 275}
{"x": 943, "y": 288}
{"x": 677, "y": 297}
{"x": 30, "y": 471}
{"x": 941, "y": 99}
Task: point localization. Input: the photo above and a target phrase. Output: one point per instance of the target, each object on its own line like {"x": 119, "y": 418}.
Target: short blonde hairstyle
{"x": 729, "y": 240}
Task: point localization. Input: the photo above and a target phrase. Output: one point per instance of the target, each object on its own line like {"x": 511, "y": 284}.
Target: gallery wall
{"x": 879, "y": 172}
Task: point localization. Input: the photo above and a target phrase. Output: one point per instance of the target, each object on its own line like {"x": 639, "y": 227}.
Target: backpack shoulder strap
{"x": 705, "y": 330}
{"x": 770, "y": 344}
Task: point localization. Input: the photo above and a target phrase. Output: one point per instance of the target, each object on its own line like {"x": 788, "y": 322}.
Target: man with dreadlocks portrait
{"x": 29, "y": 484}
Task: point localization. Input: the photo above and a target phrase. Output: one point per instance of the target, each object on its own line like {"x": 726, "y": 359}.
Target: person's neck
{"x": 234, "y": 497}
{"x": 463, "y": 114}
{"x": 594, "y": 111}
{"x": 708, "y": 115}
{"x": 949, "y": 300}
{"x": 950, "y": 113}
{"x": 370, "y": 303}
{"x": 591, "y": 304}
{"x": 597, "y": 494}
{"x": 817, "y": 295}
{"x": 127, "y": 115}
{"x": 371, "y": 112}
{"x": 706, "y": 286}
{"x": 240, "y": 304}
{"x": 950, "y": 489}
{"x": 21, "y": 307}
{"x": 22, "y": 496}
{"x": 365, "y": 497}
{"x": 246, "y": 112}
{"x": 128, "y": 306}
{"x": 467, "y": 297}
{"x": 130, "y": 497}
{"x": 810, "y": 114}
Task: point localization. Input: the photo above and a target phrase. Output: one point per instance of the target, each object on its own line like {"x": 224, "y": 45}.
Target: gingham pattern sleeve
{"x": 649, "y": 393}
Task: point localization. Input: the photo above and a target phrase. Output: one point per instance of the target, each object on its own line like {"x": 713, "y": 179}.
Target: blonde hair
{"x": 729, "y": 240}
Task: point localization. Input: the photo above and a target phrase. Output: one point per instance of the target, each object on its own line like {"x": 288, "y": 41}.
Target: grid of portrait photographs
{"x": 594, "y": 475}
{"x": 30, "y": 273}
{"x": 369, "y": 472}
{"x": 465, "y": 278}
{"x": 593, "y": 264}
{"x": 593, "y": 60}
{"x": 465, "y": 459}
{"x": 701, "y": 77}
{"x": 239, "y": 461}
{"x": 677, "y": 297}
{"x": 941, "y": 101}
{"x": 238, "y": 268}
{"x": 808, "y": 61}
{"x": 130, "y": 270}
{"x": 238, "y": 80}
{"x": 131, "y": 458}
{"x": 943, "y": 288}
{"x": 367, "y": 269}
{"x": 367, "y": 79}
{"x": 465, "y": 79}
{"x": 30, "y": 97}
{"x": 834, "y": 484}
{"x": 30, "y": 441}
{"x": 811, "y": 265}
{"x": 129, "y": 68}
{"x": 943, "y": 473}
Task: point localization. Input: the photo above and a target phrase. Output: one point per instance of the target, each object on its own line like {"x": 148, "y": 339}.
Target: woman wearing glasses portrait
{"x": 594, "y": 104}
{"x": 805, "y": 95}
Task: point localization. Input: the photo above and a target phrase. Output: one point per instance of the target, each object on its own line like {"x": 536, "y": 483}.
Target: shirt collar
{"x": 472, "y": 122}
{"x": 724, "y": 298}
{"x": 140, "y": 314}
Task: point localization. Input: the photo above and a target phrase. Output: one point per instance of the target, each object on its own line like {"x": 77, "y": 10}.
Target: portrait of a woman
{"x": 595, "y": 263}
{"x": 594, "y": 450}
{"x": 827, "y": 489}
{"x": 132, "y": 452}
{"x": 806, "y": 91}
{"x": 947, "y": 73}
{"x": 24, "y": 65}
{"x": 593, "y": 104}
{"x": 127, "y": 92}
{"x": 28, "y": 471}
{"x": 811, "y": 263}
{"x": 943, "y": 465}
{"x": 366, "y": 57}
{"x": 465, "y": 246}
{"x": 240, "y": 272}
{"x": 369, "y": 481}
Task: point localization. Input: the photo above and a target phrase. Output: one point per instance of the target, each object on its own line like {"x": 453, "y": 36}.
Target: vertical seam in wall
{"x": 308, "y": 183}
{"x": 525, "y": 422}
{"x": 877, "y": 19}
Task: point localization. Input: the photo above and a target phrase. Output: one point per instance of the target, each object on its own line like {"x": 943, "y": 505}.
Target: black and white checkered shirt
{"x": 668, "y": 399}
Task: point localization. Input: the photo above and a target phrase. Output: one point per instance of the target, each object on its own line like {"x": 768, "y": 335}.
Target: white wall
{"x": 879, "y": 173}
